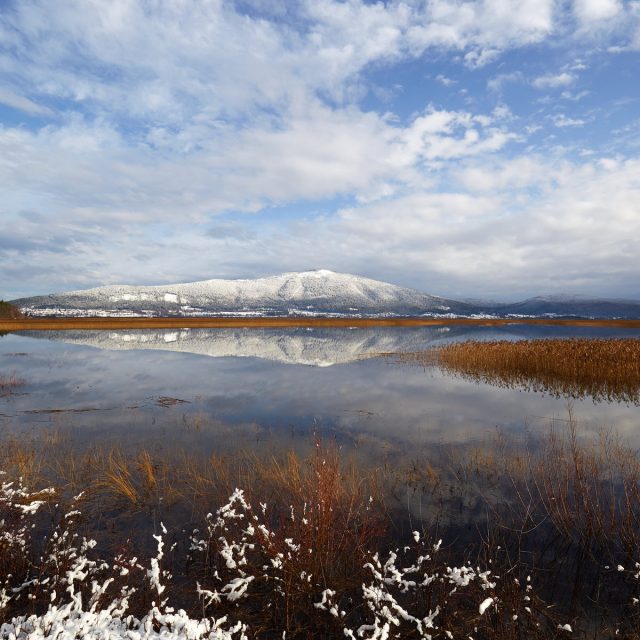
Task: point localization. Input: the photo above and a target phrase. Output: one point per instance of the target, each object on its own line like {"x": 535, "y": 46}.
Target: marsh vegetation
{"x": 10, "y": 384}
{"x": 321, "y": 545}
{"x": 602, "y": 369}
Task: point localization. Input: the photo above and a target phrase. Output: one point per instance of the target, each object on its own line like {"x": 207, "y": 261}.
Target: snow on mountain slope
{"x": 311, "y": 292}
{"x": 320, "y": 292}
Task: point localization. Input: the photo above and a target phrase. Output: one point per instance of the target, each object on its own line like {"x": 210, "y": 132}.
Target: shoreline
{"x": 198, "y": 322}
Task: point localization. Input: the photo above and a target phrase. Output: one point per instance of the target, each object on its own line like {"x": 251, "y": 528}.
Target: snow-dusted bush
{"x": 74, "y": 595}
{"x": 252, "y": 575}
{"x": 263, "y": 576}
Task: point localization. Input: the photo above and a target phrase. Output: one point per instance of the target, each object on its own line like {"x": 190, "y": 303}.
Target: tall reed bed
{"x": 604, "y": 369}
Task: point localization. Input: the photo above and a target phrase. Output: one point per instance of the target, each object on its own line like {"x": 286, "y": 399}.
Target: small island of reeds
{"x": 603, "y": 369}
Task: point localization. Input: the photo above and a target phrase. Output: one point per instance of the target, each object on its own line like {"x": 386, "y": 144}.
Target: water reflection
{"x": 126, "y": 394}
{"x": 308, "y": 346}
{"x": 301, "y": 346}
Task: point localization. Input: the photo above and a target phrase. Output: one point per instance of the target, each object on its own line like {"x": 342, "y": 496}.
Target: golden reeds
{"x": 62, "y": 324}
{"x": 118, "y": 477}
{"x": 604, "y": 369}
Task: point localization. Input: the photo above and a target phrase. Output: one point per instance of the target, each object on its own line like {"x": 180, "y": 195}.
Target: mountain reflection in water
{"x": 240, "y": 386}
{"x": 315, "y": 347}
{"x": 310, "y": 346}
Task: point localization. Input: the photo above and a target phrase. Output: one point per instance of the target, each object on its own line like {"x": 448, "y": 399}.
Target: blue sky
{"x": 468, "y": 149}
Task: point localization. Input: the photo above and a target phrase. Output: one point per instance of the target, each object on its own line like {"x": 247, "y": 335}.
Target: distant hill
{"x": 313, "y": 293}
{"x": 573, "y": 306}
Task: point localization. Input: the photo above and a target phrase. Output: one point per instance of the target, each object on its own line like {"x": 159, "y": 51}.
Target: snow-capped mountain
{"x": 309, "y": 292}
{"x": 312, "y": 293}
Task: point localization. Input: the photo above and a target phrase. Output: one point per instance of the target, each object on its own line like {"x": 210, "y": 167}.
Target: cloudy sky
{"x": 484, "y": 148}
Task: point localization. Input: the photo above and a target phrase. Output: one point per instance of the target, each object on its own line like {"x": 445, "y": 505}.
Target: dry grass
{"x": 591, "y": 491}
{"x": 118, "y": 478}
{"x": 561, "y": 510}
{"x": 321, "y": 501}
{"x": 566, "y": 510}
{"x": 9, "y": 384}
{"x": 251, "y": 565}
{"x": 61, "y": 324}
{"x": 143, "y": 480}
{"x": 604, "y": 369}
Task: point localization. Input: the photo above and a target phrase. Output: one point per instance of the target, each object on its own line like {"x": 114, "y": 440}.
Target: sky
{"x": 470, "y": 149}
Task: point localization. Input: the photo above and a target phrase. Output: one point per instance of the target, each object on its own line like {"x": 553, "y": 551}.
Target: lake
{"x": 341, "y": 443}
{"x": 227, "y": 388}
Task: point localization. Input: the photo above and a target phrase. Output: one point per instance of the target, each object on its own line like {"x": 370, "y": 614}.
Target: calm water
{"x": 222, "y": 389}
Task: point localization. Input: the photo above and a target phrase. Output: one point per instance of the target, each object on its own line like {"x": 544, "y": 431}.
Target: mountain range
{"x": 313, "y": 293}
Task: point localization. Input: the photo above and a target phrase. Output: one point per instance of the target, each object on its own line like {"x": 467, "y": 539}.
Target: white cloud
{"x": 498, "y": 82}
{"x": 588, "y": 11}
{"x": 443, "y": 80}
{"x": 564, "y": 121}
{"x": 502, "y": 227}
{"x": 182, "y": 61}
{"x": 498, "y": 176}
{"x": 574, "y": 97}
{"x": 15, "y": 101}
{"x": 443, "y": 135}
{"x": 478, "y": 58}
{"x": 614, "y": 23}
{"x": 553, "y": 81}
{"x": 577, "y": 234}
{"x": 484, "y": 25}
{"x": 578, "y": 65}
{"x": 90, "y": 169}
